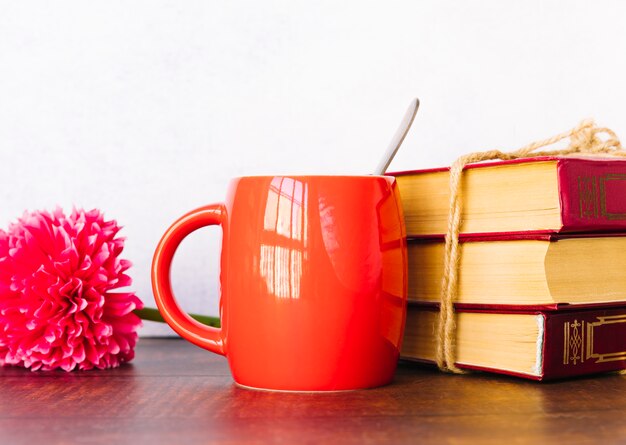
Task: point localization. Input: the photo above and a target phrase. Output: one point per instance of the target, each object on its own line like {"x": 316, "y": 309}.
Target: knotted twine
{"x": 584, "y": 140}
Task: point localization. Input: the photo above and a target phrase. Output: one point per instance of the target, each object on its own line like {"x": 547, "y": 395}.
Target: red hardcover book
{"x": 538, "y": 344}
{"x": 524, "y": 269}
{"x": 541, "y": 194}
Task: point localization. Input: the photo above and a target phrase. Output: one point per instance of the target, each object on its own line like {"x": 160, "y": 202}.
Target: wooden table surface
{"x": 175, "y": 393}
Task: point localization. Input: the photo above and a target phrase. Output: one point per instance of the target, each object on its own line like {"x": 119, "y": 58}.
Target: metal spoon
{"x": 398, "y": 138}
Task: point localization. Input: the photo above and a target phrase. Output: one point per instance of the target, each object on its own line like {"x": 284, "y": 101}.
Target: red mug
{"x": 313, "y": 281}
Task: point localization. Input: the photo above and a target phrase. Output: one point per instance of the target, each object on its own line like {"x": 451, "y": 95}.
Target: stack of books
{"x": 542, "y": 271}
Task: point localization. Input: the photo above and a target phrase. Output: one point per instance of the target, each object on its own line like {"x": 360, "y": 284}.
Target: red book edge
{"x": 431, "y": 364}
{"x": 532, "y": 235}
{"x": 492, "y": 163}
{"x": 527, "y": 309}
{"x": 497, "y": 162}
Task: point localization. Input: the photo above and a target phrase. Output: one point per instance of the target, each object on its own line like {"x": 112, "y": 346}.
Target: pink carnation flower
{"x": 56, "y": 305}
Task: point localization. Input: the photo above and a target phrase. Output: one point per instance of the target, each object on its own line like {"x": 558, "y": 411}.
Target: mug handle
{"x": 206, "y": 337}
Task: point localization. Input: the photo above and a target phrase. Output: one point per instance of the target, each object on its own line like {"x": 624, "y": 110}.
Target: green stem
{"x": 148, "y": 313}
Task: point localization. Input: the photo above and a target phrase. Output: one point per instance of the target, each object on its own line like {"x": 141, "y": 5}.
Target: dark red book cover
{"x": 584, "y": 342}
{"x": 593, "y": 194}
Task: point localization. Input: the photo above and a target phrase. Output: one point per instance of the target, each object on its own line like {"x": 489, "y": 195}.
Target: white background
{"x": 145, "y": 109}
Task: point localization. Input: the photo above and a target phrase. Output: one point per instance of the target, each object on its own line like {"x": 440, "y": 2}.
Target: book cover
{"x": 523, "y": 269}
{"x": 568, "y": 342}
{"x": 590, "y": 195}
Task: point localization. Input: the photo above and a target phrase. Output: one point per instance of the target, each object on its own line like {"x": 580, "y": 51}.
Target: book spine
{"x": 592, "y": 194}
{"x": 584, "y": 342}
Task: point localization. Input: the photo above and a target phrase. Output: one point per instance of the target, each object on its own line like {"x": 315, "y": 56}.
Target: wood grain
{"x": 177, "y": 393}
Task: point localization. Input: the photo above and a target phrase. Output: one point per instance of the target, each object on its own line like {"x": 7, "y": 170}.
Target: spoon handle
{"x": 398, "y": 138}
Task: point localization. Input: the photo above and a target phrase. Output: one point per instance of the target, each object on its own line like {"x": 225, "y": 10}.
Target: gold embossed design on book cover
{"x": 578, "y": 343}
{"x": 603, "y": 181}
{"x": 591, "y": 327}
{"x": 573, "y": 342}
{"x": 588, "y": 196}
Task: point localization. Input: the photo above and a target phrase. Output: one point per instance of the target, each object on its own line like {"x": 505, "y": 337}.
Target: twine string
{"x": 584, "y": 140}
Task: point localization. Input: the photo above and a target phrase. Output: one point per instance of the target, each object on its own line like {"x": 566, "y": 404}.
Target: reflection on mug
{"x": 284, "y": 237}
